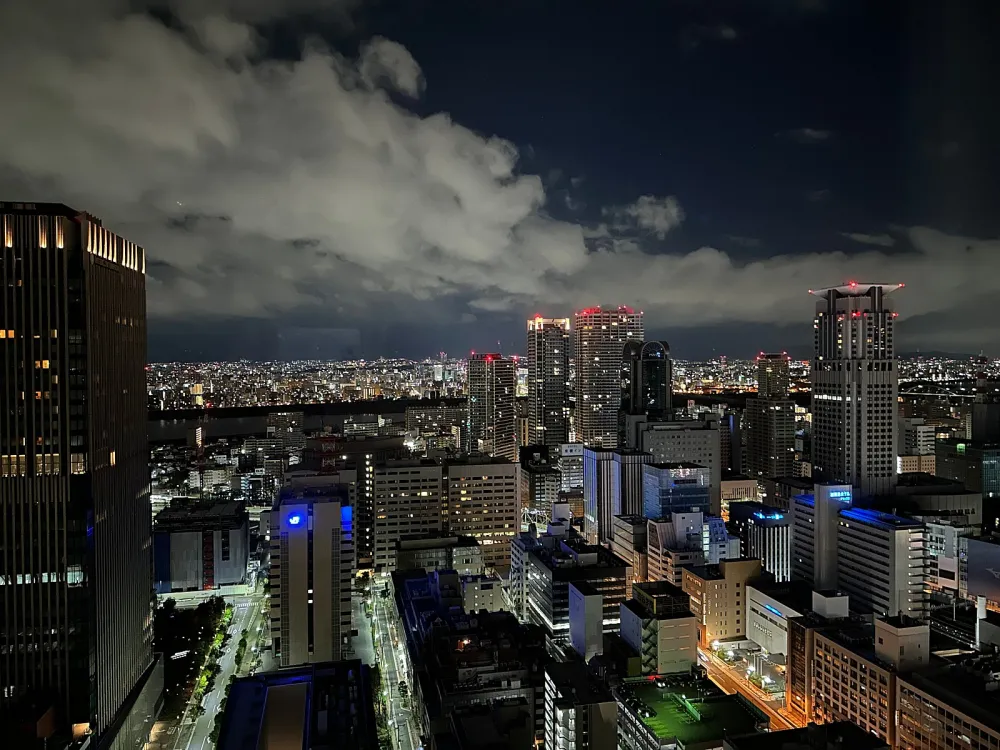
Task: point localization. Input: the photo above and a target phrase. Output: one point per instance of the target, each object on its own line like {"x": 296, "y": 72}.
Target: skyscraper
{"x": 770, "y": 420}
{"x": 854, "y": 387}
{"x": 599, "y": 337}
{"x": 75, "y": 535}
{"x": 646, "y": 386}
{"x": 492, "y": 427}
{"x": 548, "y": 381}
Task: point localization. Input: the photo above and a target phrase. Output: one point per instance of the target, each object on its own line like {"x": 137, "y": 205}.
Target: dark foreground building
{"x": 75, "y": 549}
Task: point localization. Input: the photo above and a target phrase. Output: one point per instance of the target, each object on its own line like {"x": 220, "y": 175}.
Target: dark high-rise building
{"x": 598, "y": 338}
{"x": 75, "y": 522}
{"x": 855, "y": 386}
{"x": 770, "y": 420}
{"x": 646, "y": 386}
{"x": 548, "y": 381}
{"x": 492, "y": 426}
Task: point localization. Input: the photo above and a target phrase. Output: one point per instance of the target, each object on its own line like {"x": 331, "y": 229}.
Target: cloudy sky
{"x": 317, "y": 177}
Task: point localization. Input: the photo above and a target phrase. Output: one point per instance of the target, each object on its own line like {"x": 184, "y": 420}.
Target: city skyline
{"x": 445, "y": 202}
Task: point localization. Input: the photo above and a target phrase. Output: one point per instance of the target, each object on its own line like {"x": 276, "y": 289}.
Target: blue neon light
{"x": 768, "y": 516}
{"x": 295, "y": 519}
{"x": 772, "y": 610}
{"x": 346, "y": 516}
{"x": 842, "y": 495}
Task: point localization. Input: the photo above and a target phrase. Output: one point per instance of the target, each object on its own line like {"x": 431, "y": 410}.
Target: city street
{"x": 362, "y": 644}
{"x": 194, "y": 732}
{"x": 405, "y": 735}
{"x": 723, "y": 676}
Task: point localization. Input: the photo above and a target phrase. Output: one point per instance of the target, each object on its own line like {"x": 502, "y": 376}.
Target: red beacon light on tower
{"x": 852, "y": 284}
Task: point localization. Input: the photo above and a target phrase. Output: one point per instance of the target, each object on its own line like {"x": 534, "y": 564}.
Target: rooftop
{"x": 677, "y": 465}
{"x": 574, "y": 682}
{"x": 217, "y": 514}
{"x": 692, "y": 710}
{"x": 855, "y": 289}
{"x": 878, "y": 518}
{"x": 834, "y": 736}
{"x": 969, "y": 686}
{"x": 316, "y": 706}
{"x": 642, "y": 612}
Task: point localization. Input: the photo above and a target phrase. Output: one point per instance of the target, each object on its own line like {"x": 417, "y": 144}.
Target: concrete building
{"x": 586, "y": 620}
{"x": 977, "y": 467}
{"x": 943, "y": 544}
{"x": 440, "y": 552}
{"x": 675, "y": 488}
{"x": 481, "y": 594}
{"x": 815, "y": 522}
{"x": 541, "y": 483}
{"x": 658, "y": 624}
{"x": 312, "y": 707}
{"x": 646, "y": 387}
{"x": 492, "y": 421}
{"x": 409, "y": 497}
{"x": 200, "y": 548}
{"x": 548, "y": 380}
{"x": 855, "y": 386}
{"x": 769, "y": 608}
{"x": 483, "y": 502}
{"x": 570, "y": 465}
{"x": 909, "y": 464}
{"x": 312, "y": 566}
{"x": 922, "y": 493}
{"x": 580, "y": 713}
{"x": 766, "y": 534}
{"x": 681, "y": 712}
{"x": 627, "y": 483}
{"x": 598, "y": 339}
{"x": 736, "y": 488}
{"x": 562, "y": 557}
{"x": 769, "y": 420}
{"x": 833, "y": 736}
{"x": 685, "y": 540}
{"x": 718, "y": 598}
{"x": 687, "y": 441}
{"x": 435, "y": 417}
{"x": 916, "y": 437}
{"x": 950, "y": 705}
{"x": 630, "y": 544}
{"x": 598, "y": 491}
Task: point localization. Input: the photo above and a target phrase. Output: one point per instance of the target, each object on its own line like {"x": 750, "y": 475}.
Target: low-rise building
{"x": 685, "y": 539}
{"x": 440, "y": 552}
{"x": 200, "y": 548}
{"x": 658, "y": 624}
{"x": 630, "y": 544}
{"x": 718, "y": 598}
{"x": 765, "y": 533}
{"x": 833, "y": 736}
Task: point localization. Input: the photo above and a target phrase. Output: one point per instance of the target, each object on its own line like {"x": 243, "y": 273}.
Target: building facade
{"x": 646, "y": 386}
{"x": 492, "y": 421}
{"x": 548, "y": 381}
{"x": 76, "y": 552}
{"x": 598, "y": 339}
{"x": 855, "y": 386}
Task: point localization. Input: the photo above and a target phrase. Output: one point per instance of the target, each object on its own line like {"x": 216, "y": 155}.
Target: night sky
{"x": 326, "y": 179}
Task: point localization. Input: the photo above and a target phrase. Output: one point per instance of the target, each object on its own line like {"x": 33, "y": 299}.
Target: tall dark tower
{"x": 646, "y": 385}
{"x": 548, "y": 381}
{"x": 770, "y": 420}
{"x": 75, "y": 550}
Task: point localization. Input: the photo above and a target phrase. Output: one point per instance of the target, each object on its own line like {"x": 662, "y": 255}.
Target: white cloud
{"x": 650, "y": 213}
{"x": 880, "y": 240}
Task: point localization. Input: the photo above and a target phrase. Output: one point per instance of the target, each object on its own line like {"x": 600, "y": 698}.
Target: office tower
{"x": 657, "y": 623}
{"x": 541, "y": 484}
{"x": 629, "y": 544}
{"x": 627, "y": 484}
{"x": 686, "y": 539}
{"x": 674, "y": 488}
{"x": 409, "y": 502}
{"x": 855, "y": 385}
{"x": 580, "y": 712}
{"x": 646, "y": 386}
{"x": 548, "y": 380}
{"x": 286, "y": 428}
{"x": 320, "y": 706}
{"x": 570, "y": 465}
{"x": 598, "y": 339}
{"x": 815, "y": 519}
{"x": 312, "y": 565}
{"x": 483, "y": 502}
{"x": 765, "y": 533}
{"x": 75, "y": 551}
{"x": 332, "y": 454}
{"x": 770, "y": 420}
{"x": 492, "y": 425}
{"x": 598, "y": 489}
{"x": 915, "y": 437}
{"x": 695, "y": 441}
{"x": 718, "y": 597}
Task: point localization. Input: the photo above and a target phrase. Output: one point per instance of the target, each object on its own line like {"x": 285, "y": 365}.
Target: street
{"x": 405, "y": 735}
{"x": 362, "y": 644}
{"x": 194, "y": 732}
{"x": 722, "y": 676}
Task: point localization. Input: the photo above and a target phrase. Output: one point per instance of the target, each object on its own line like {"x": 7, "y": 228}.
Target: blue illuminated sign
{"x": 768, "y": 516}
{"x": 346, "y": 516}
{"x": 772, "y": 610}
{"x": 842, "y": 495}
{"x": 295, "y": 519}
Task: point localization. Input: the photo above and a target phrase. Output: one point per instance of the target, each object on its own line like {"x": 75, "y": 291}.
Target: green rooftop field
{"x": 720, "y": 715}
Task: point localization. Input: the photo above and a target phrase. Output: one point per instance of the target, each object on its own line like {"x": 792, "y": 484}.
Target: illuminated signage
{"x": 295, "y": 519}
{"x": 772, "y": 610}
{"x": 768, "y": 516}
{"x": 842, "y": 495}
